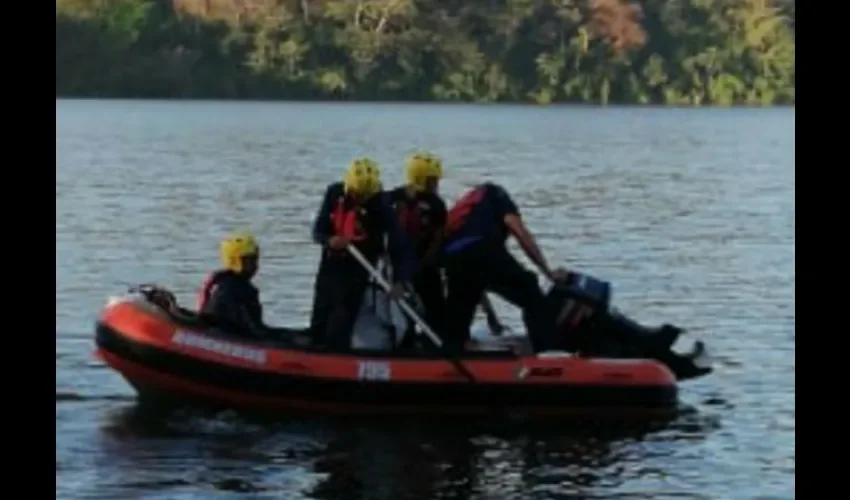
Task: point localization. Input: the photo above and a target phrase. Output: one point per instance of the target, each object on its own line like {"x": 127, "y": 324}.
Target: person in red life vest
{"x": 422, "y": 216}
{"x": 353, "y": 212}
{"x": 477, "y": 260}
{"x": 228, "y": 294}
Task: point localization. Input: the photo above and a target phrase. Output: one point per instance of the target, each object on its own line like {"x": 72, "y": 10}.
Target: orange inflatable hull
{"x": 163, "y": 360}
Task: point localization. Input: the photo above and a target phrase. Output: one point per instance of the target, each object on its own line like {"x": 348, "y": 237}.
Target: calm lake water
{"x": 689, "y": 213}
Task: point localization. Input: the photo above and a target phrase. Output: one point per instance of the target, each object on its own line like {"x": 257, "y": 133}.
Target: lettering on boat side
{"x": 374, "y": 370}
{"x": 250, "y": 354}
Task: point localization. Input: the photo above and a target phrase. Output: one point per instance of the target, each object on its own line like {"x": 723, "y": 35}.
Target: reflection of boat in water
{"x": 392, "y": 458}
{"x": 483, "y": 460}
{"x": 181, "y": 359}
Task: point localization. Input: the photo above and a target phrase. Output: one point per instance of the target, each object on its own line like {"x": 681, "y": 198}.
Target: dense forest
{"x": 675, "y": 52}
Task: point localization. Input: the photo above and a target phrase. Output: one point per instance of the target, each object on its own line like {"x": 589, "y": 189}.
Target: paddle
{"x": 423, "y": 327}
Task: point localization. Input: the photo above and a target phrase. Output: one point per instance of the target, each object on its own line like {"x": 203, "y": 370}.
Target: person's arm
{"x": 322, "y": 227}
{"x": 513, "y": 221}
{"x": 528, "y": 244}
{"x": 400, "y": 248}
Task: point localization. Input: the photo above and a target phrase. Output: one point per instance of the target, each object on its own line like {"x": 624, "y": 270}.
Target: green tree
{"x": 681, "y": 52}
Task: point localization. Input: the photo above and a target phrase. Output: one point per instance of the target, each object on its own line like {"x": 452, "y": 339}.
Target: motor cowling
{"x": 577, "y": 305}
{"x": 586, "y": 322}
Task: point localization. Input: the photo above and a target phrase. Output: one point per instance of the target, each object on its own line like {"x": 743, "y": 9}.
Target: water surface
{"x": 689, "y": 213}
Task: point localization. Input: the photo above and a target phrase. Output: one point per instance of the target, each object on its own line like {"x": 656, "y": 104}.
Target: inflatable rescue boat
{"x": 172, "y": 358}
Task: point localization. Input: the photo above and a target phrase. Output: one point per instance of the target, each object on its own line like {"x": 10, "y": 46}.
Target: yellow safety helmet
{"x": 236, "y": 247}
{"x": 362, "y": 178}
{"x": 421, "y": 167}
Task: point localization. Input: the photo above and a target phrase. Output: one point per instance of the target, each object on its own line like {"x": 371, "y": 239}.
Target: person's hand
{"x": 337, "y": 242}
{"x": 397, "y": 291}
{"x": 559, "y": 275}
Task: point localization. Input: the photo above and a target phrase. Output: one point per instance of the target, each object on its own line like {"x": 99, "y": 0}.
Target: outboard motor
{"x": 578, "y": 305}
{"x": 587, "y": 323}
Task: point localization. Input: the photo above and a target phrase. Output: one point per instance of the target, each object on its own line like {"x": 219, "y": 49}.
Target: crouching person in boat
{"x": 477, "y": 260}
{"x": 353, "y": 212}
{"x": 229, "y": 297}
{"x": 422, "y": 216}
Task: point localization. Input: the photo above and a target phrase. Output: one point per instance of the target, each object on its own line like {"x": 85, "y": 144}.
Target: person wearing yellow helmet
{"x": 422, "y": 216}
{"x": 228, "y": 294}
{"x": 353, "y": 212}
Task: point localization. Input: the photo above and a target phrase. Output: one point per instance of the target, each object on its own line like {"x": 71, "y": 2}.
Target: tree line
{"x": 673, "y": 52}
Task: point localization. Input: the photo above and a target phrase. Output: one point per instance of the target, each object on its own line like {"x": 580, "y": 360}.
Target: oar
{"x": 423, "y": 327}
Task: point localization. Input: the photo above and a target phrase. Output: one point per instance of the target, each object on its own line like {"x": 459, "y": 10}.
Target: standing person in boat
{"x": 422, "y": 216}
{"x": 477, "y": 260}
{"x": 228, "y": 294}
{"x": 354, "y": 212}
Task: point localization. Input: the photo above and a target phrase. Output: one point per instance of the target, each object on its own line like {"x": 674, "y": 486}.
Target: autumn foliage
{"x": 684, "y": 52}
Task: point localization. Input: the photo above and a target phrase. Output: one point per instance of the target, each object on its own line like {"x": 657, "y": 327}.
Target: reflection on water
{"x": 384, "y": 459}
{"x": 689, "y": 213}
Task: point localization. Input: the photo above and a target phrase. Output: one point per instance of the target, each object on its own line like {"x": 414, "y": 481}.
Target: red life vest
{"x": 460, "y": 211}
{"x": 346, "y": 221}
{"x": 206, "y": 289}
{"x": 409, "y": 217}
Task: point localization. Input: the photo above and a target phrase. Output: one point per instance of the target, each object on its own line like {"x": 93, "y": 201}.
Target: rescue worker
{"x": 228, "y": 294}
{"x": 477, "y": 260}
{"x": 422, "y": 216}
{"x": 353, "y": 212}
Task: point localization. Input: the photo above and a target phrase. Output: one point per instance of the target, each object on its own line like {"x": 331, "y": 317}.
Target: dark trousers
{"x": 488, "y": 266}
{"x": 428, "y": 285}
{"x": 337, "y": 297}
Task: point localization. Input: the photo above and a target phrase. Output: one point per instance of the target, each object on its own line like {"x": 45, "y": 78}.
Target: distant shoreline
{"x": 601, "y": 53}
{"x": 447, "y": 103}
